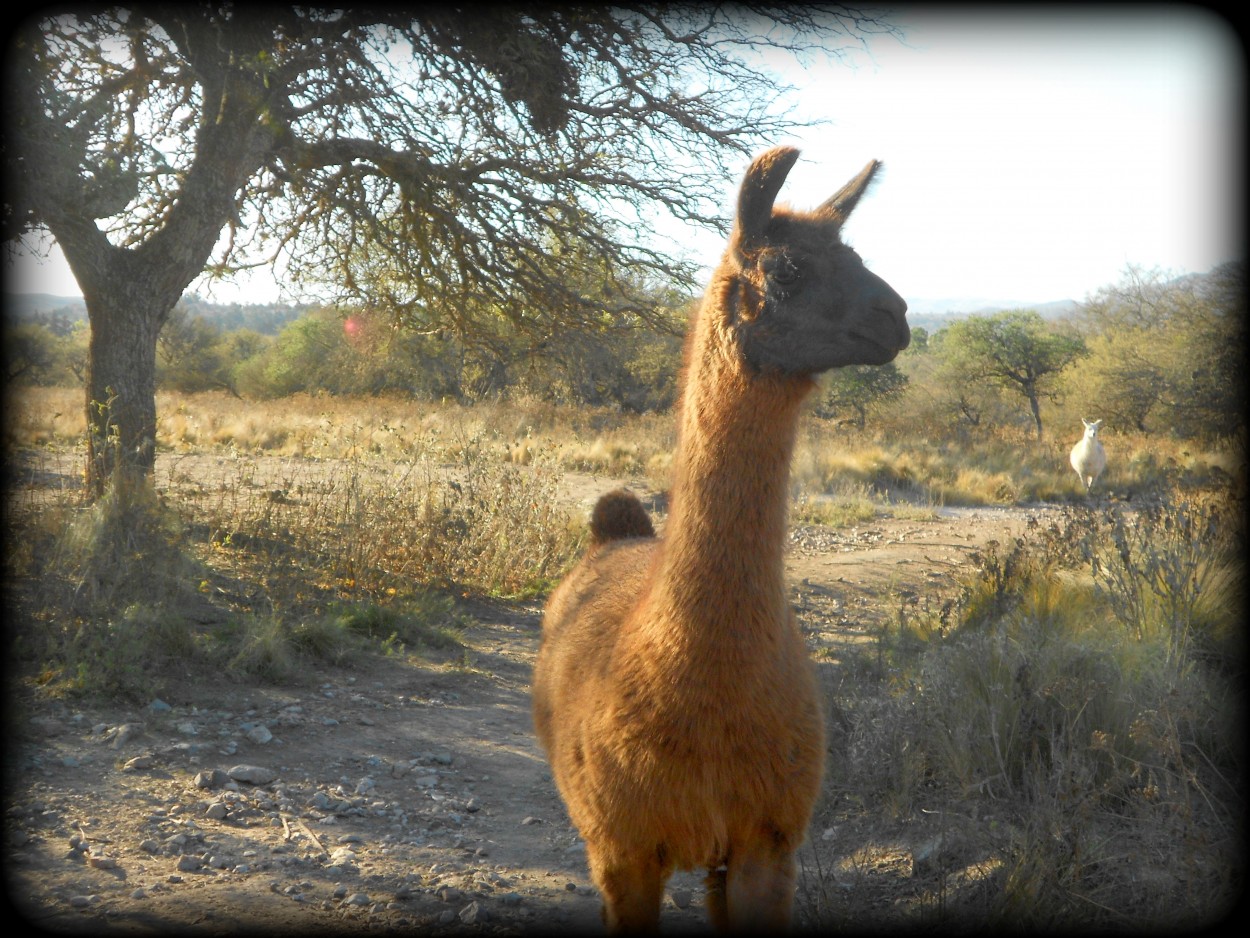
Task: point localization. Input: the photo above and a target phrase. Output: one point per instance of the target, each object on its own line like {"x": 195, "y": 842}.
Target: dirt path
{"x": 405, "y": 794}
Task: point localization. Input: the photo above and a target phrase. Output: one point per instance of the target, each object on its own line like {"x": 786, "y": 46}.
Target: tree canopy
{"x": 1016, "y": 350}
{"x": 451, "y": 165}
{"x": 1167, "y": 353}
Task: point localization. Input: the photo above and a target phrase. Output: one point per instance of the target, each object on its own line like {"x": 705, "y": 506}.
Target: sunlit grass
{"x": 892, "y": 462}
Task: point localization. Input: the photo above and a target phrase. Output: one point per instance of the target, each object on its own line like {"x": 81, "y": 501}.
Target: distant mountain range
{"x": 24, "y": 305}
{"x": 982, "y": 306}
{"x": 266, "y": 318}
{"x": 933, "y": 315}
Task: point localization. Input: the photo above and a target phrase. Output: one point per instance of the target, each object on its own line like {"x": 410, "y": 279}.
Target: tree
{"x": 189, "y": 353}
{"x": 1166, "y": 352}
{"x": 424, "y": 159}
{"x": 30, "y": 352}
{"x": 858, "y": 389}
{"x": 1016, "y": 350}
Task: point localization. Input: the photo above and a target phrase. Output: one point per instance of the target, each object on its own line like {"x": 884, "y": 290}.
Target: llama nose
{"x": 904, "y": 336}
{"x": 894, "y": 307}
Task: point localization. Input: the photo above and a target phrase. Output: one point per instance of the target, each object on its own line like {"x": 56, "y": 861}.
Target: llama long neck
{"x": 724, "y": 542}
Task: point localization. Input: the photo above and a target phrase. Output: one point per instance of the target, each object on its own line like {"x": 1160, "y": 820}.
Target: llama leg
{"x": 760, "y": 891}
{"x": 631, "y": 886}
{"x": 717, "y": 903}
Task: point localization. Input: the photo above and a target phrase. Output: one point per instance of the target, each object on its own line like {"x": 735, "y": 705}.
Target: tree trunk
{"x": 1036, "y": 407}
{"x": 121, "y": 384}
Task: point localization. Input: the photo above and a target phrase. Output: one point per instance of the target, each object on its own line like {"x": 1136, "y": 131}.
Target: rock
{"x": 252, "y": 774}
{"x": 473, "y": 913}
{"x": 138, "y": 763}
{"x": 211, "y": 778}
{"x": 159, "y": 706}
{"x": 124, "y": 733}
{"x": 680, "y": 897}
{"x": 260, "y": 734}
{"x": 216, "y": 811}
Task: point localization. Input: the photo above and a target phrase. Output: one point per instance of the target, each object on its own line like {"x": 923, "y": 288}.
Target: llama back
{"x": 589, "y": 604}
{"x": 582, "y": 621}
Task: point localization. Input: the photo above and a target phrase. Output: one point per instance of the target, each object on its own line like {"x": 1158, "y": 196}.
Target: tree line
{"x": 1149, "y": 353}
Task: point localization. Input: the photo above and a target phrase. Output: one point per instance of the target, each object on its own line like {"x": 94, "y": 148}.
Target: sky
{"x": 1029, "y": 156}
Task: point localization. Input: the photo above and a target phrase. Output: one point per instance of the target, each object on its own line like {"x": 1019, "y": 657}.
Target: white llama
{"x": 1088, "y": 457}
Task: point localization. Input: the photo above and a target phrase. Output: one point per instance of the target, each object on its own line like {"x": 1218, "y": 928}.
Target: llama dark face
{"x": 810, "y": 302}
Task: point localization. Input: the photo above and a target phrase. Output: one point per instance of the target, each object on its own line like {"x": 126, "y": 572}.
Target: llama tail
{"x": 617, "y": 515}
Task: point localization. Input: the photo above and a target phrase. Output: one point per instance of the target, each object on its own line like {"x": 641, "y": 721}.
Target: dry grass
{"x": 891, "y": 464}
{"x": 263, "y": 526}
{"x": 1047, "y": 761}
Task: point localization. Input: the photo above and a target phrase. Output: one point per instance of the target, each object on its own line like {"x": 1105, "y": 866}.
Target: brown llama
{"x": 673, "y": 691}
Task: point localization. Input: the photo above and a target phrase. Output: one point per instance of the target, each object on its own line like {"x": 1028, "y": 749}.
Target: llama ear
{"x": 840, "y": 205}
{"x": 763, "y": 180}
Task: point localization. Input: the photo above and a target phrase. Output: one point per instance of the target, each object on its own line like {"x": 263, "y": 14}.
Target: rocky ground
{"x": 405, "y": 794}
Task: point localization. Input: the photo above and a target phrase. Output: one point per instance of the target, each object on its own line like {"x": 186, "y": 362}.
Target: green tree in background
{"x": 1167, "y": 353}
{"x": 858, "y": 389}
{"x": 426, "y": 159}
{"x": 1015, "y": 350}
